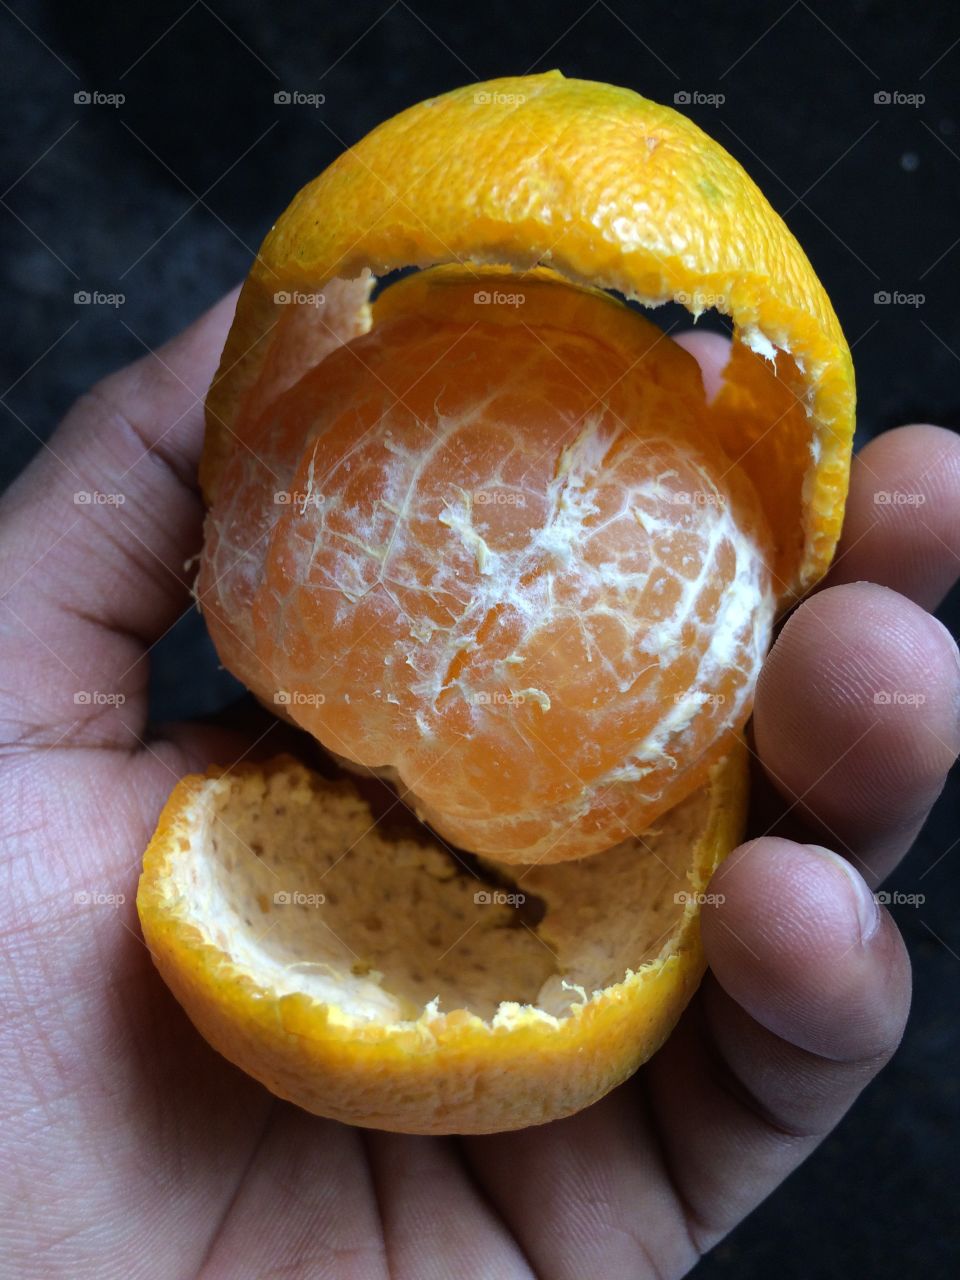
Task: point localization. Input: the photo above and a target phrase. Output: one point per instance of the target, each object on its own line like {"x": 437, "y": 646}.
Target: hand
{"x": 132, "y": 1149}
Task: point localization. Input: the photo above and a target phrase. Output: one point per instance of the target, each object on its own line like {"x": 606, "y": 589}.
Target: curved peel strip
{"x": 613, "y": 191}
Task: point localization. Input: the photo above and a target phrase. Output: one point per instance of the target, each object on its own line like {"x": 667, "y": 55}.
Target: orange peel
{"x": 612, "y": 191}
{"x": 277, "y": 911}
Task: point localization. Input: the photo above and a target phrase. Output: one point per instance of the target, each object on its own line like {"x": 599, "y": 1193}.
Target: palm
{"x": 155, "y": 1108}
{"x": 156, "y": 1157}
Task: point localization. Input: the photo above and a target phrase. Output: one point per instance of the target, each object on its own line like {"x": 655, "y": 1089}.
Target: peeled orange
{"x": 509, "y": 563}
{"x": 484, "y": 536}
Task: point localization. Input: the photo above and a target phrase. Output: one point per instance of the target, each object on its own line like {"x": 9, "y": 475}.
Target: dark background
{"x": 166, "y": 197}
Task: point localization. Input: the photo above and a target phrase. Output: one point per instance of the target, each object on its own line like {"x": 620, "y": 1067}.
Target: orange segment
{"x": 515, "y": 569}
{"x": 373, "y": 980}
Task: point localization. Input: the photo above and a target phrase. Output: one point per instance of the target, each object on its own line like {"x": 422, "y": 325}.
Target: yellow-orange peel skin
{"x": 618, "y": 955}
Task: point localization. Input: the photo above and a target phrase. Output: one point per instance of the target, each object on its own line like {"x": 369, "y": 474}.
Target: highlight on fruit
{"x": 474, "y": 525}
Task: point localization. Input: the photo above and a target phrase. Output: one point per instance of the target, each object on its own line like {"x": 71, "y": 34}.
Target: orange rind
{"x": 376, "y": 980}
{"x": 612, "y": 191}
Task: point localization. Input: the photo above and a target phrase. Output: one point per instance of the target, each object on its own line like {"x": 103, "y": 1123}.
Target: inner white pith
{"x": 293, "y": 880}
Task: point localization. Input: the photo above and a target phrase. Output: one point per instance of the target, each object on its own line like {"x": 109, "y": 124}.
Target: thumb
{"x": 807, "y": 999}
{"x": 94, "y": 537}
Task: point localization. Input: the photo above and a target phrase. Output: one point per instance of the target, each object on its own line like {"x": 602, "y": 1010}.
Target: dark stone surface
{"x": 167, "y": 197}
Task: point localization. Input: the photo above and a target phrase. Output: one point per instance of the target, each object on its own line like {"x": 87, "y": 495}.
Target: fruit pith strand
{"x": 496, "y": 551}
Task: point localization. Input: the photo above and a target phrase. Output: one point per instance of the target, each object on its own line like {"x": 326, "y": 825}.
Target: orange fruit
{"x": 485, "y": 536}
{"x": 376, "y": 981}
{"x": 513, "y": 565}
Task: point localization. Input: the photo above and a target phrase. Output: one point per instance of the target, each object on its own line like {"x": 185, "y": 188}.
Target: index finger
{"x": 902, "y": 522}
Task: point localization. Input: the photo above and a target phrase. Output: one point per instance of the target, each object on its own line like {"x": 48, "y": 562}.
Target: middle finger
{"x": 856, "y": 719}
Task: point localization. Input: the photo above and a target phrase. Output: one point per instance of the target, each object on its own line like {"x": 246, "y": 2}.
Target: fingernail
{"x": 868, "y": 913}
